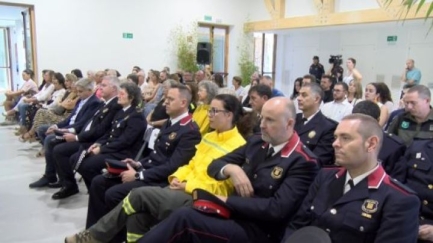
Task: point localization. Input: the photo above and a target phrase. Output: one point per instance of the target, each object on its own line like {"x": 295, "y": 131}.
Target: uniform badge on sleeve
{"x": 311, "y": 134}
{"x": 277, "y": 172}
{"x": 405, "y": 125}
{"x": 370, "y": 206}
{"x": 105, "y": 110}
{"x": 172, "y": 136}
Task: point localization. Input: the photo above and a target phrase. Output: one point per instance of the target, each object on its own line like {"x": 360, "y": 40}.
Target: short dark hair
{"x": 353, "y": 60}
{"x": 310, "y": 77}
{"x": 219, "y": 80}
{"x": 367, "y": 107}
{"x": 327, "y": 77}
{"x": 261, "y": 90}
{"x": 29, "y": 72}
{"x": 184, "y": 92}
{"x": 238, "y": 80}
{"x": 369, "y": 127}
{"x": 133, "y": 77}
{"x": 315, "y": 58}
{"x": 133, "y": 91}
{"x": 345, "y": 86}
{"x": 77, "y": 72}
{"x": 315, "y": 89}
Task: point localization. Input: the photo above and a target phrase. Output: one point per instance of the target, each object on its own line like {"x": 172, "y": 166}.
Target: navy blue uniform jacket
{"x": 318, "y": 136}
{"x": 280, "y": 184}
{"x": 174, "y": 147}
{"x": 378, "y": 209}
{"x": 126, "y": 135}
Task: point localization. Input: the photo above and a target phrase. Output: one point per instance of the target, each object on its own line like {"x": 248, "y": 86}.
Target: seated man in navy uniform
{"x": 95, "y": 128}
{"x": 393, "y": 147}
{"x": 83, "y": 111}
{"x": 359, "y": 202}
{"x": 271, "y": 175}
{"x": 315, "y": 129}
{"x": 174, "y": 147}
{"x": 417, "y": 173}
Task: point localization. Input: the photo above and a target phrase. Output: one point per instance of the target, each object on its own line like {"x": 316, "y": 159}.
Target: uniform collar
{"x": 178, "y": 118}
{"x": 223, "y": 136}
{"x": 286, "y": 148}
{"x": 375, "y": 176}
{"x": 361, "y": 177}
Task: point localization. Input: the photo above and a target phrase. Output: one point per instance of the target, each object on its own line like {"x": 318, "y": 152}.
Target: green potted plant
{"x": 184, "y": 44}
{"x": 246, "y": 50}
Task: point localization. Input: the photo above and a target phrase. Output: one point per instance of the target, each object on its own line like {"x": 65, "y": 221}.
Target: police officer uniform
{"x": 174, "y": 147}
{"x": 95, "y": 128}
{"x": 418, "y": 175}
{"x": 317, "y": 70}
{"x": 280, "y": 181}
{"x": 318, "y": 135}
{"x": 393, "y": 148}
{"x": 376, "y": 209}
{"x": 122, "y": 141}
{"x": 406, "y": 127}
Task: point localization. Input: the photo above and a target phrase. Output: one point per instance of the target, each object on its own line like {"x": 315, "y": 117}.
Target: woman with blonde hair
{"x": 354, "y": 96}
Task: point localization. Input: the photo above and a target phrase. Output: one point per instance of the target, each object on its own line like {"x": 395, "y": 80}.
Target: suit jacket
{"x": 85, "y": 113}
{"x": 100, "y": 122}
{"x": 417, "y": 173}
{"x": 318, "y": 136}
{"x": 392, "y": 150}
{"x": 174, "y": 147}
{"x": 280, "y": 184}
{"x": 126, "y": 135}
{"x": 377, "y": 209}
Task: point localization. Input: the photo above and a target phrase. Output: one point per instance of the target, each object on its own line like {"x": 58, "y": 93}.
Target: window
{"x": 264, "y": 53}
{"x": 218, "y": 36}
{"x": 5, "y": 69}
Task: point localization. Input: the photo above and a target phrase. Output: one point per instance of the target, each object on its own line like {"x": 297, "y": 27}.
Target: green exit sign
{"x": 207, "y": 18}
{"x": 391, "y": 38}
{"x": 128, "y": 36}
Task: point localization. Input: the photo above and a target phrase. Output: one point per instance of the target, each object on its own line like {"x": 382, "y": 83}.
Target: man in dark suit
{"x": 315, "y": 129}
{"x": 393, "y": 147}
{"x": 95, "y": 128}
{"x": 271, "y": 175}
{"x": 174, "y": 147}
{"x": 359, "y": 202}
{"x": 83, "y": 111}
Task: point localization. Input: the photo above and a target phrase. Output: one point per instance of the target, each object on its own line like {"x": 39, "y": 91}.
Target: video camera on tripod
{"x": 336, "y": 60}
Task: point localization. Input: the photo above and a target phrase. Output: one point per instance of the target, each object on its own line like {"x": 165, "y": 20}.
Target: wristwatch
{"x": 137, "y": 176}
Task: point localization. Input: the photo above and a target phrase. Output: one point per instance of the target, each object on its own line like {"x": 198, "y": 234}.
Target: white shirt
{"x": 56, "y": 97}
{"x": 277, "y": 148}
{"x": 80, "y": 105}
{"x": 337, "y": 110}
{"x": 357, "y": 179}
{"x": 45, "y": 93}
{"x": 177, "y": 119}
{"x": 311, "y": 117}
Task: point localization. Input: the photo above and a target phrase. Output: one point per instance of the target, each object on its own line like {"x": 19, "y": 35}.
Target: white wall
{"x": 88, "y": 34}
{"x": 366, "y": 43}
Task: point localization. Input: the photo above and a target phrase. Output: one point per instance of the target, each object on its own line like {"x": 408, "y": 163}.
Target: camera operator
{"x": 352, "y": 72}
{"x": 316, "y": 68}
{"x": 336, "y": 71}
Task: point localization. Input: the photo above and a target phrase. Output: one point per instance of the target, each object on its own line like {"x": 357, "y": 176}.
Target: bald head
{"x": 410, "y": 63}
{"x": 278, "y": 120}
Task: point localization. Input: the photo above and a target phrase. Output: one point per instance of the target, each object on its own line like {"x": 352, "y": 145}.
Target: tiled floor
{"x": 28, "y": 215}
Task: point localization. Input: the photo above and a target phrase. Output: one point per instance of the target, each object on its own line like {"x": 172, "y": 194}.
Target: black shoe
{"x": 54, "y": 185}
{"x": 44, "y": 181}
{"x": 65, "y": 192}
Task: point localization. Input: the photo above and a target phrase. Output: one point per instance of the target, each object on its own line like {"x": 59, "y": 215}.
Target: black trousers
{"x": 62, "y": 155}
{"x": 188, "y": 225}
{"x": 91, "y": 166}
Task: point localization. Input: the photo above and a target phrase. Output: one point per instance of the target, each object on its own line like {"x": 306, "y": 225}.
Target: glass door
{"x": 5, "y": 68}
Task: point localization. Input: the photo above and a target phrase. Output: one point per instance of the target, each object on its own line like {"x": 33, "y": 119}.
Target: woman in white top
{"x": 354, "y": 96}
{"x": 352, "y": 72}
{"x": 28, "y": 88}
{"x": 372, "y": 92}
{"x": 237, "y": 86}
{"x": 59, "y": 91}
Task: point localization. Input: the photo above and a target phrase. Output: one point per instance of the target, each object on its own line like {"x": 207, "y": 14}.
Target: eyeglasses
{"x": 213, "y": 111}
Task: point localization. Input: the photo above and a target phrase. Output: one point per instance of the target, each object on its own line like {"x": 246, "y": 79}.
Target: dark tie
{"x": 350, "y": 182}
{"x": 270, "y": 152}
{"x": 304, "y": 120}
{"x": 168, "y": 123}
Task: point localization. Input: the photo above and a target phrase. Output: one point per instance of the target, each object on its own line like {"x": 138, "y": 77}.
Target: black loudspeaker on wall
{"x": 204, "y": 50}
